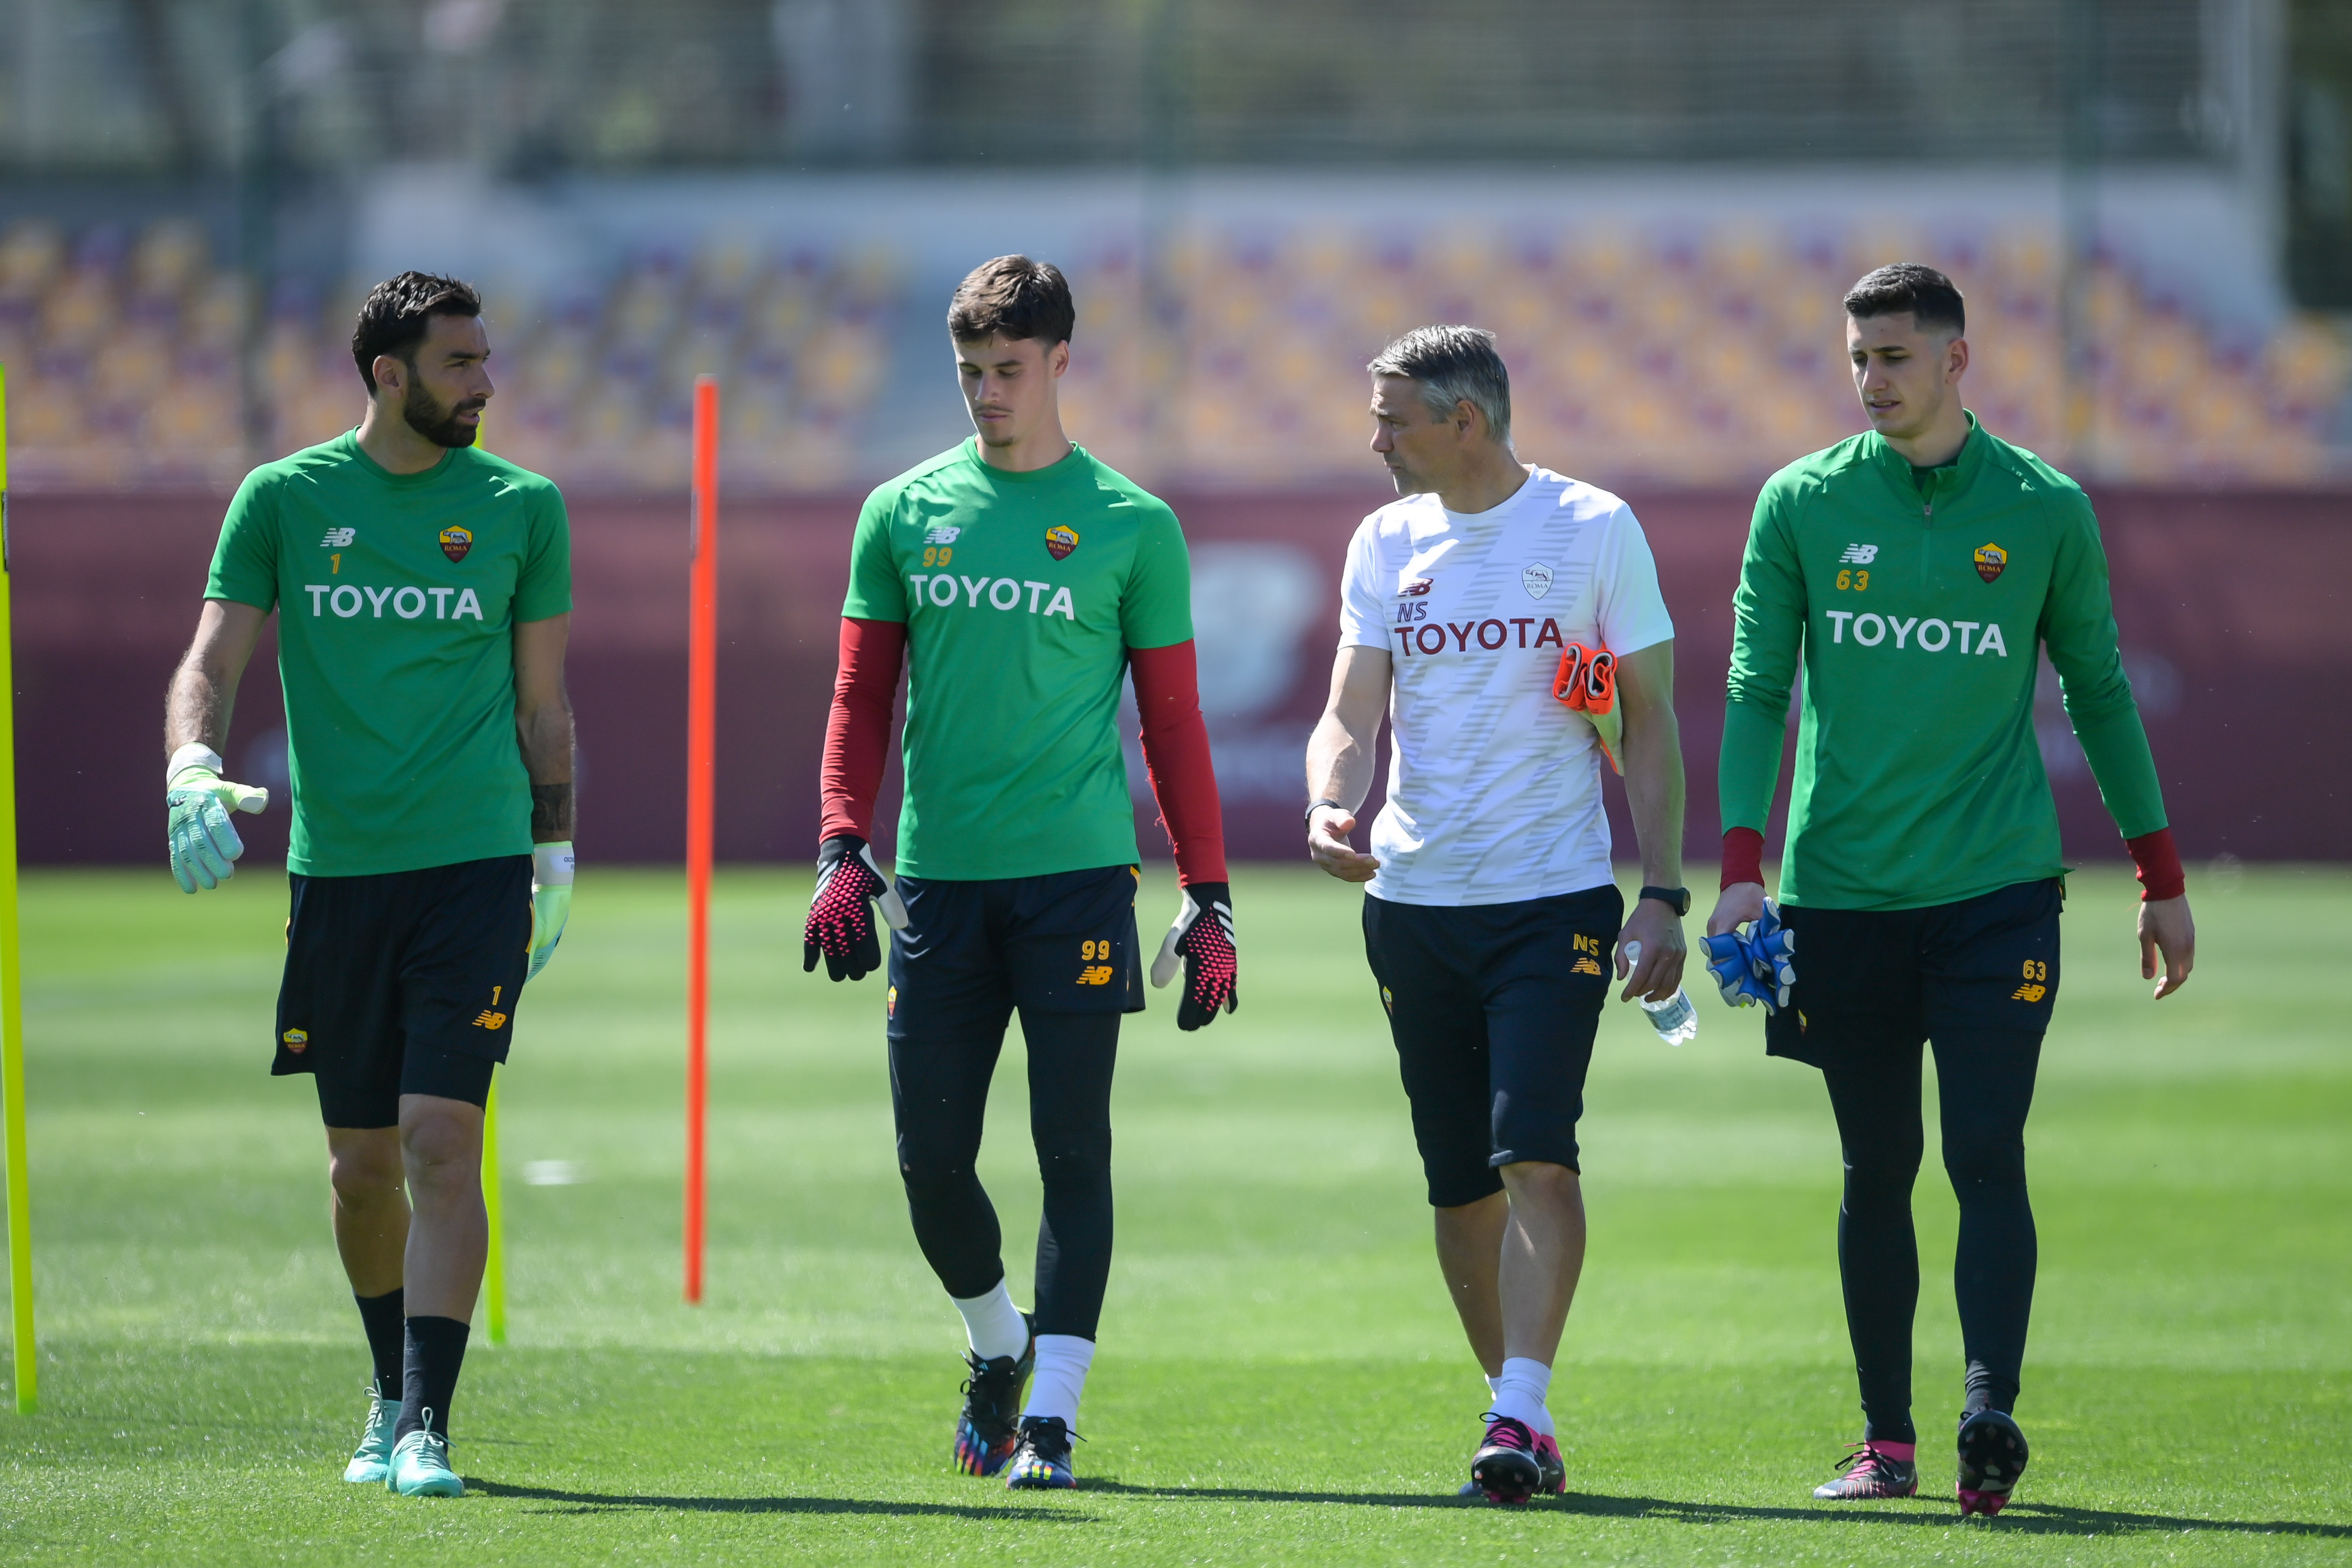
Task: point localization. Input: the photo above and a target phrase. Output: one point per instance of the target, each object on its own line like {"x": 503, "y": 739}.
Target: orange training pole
{"x": 701, "y": 725}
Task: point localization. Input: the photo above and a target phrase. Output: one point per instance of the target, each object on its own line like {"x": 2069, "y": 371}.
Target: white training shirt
{"x": 1495, "y": 786}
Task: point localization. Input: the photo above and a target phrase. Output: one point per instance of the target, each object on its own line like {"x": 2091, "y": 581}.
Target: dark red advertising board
{"x": 2235, "y": 612}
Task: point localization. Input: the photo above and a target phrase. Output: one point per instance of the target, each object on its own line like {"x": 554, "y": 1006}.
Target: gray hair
{"x": 1453, "y": 365}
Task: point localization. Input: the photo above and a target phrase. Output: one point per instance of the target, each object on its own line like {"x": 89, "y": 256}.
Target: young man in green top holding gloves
{"x": 424, "y": 595}
{"x": 1915, "y": 569}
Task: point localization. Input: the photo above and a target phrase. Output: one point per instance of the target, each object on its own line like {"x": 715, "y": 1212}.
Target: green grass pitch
{"x": 1280, "y": 1378}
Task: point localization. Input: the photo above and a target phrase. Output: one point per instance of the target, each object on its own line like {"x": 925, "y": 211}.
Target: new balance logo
{"x": 1584, "y": 967}
{"x": 1095, "y": 974}
{"x": 487, "y": 1019}
{"x": 1858, "y": 556}
{"x": 338, "y": 539}
{"x": 941, "y": 534}
{"x": 2029, "y": 993}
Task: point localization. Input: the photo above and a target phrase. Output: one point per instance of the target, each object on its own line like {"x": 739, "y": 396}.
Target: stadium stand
{"x": 1230, "y": 357}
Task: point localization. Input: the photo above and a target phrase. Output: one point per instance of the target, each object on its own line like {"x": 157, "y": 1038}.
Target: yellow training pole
{"x": 494, "y": 1275}
{"x": 12, "y": 991}
{"x": 494, "y": 1267}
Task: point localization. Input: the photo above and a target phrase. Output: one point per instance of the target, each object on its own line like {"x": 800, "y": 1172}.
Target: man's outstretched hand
{"x": 2165, "y": 928}
{"x": 841, "y": 915}
{"x": 1202, "y": 937}
{"x": 1328, "y": 827}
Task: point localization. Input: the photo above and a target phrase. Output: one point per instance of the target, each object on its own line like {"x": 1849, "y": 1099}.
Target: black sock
{"x": 436, "y": 1349}
{"x": 382, "y": 1315}
{"x": 1988, "y": 1390}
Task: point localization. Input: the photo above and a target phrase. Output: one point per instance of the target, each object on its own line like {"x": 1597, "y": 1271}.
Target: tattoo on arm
{"x": 550, "y": 812}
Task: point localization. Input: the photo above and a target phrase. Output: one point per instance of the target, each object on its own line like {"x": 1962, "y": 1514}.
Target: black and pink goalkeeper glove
{"x": 841, "y": 916}
{"x": 1202, "y": 937}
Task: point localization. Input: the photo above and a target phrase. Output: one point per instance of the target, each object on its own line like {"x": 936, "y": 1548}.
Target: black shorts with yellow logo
{"x": 1874, "y": 980}
{"x": 402, "y": 984}
{"x": 1493, "y": 1008}
{"x": 972, "y": 952}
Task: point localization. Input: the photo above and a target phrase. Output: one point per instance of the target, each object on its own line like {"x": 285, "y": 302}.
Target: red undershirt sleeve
{"x": 1743, "y": 855}
{"x": 2158, "y": 860}
{"x": 1176, "y": 755}
{"x": 857, "y": 732}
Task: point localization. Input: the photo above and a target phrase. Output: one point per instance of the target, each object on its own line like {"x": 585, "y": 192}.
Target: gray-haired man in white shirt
{"x": 1491, "y": 911}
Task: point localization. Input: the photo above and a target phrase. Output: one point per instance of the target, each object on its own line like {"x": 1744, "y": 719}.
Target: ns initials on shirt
{"x": 349, "y": 600}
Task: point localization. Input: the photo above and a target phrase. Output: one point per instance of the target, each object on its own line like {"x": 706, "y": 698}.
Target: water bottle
{"x": 1675, "y": 1018}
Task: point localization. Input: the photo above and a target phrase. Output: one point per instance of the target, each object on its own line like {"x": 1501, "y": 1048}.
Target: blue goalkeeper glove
{"x": 1771, "y": 956}
{"x": 1734, "y": 971}
{"x": 551, "y": 900}
{"x": 198, "y": 801}
{"x": 1755, "y": 966}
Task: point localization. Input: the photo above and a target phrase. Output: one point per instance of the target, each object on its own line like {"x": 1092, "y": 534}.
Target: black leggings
{"x": 938, "y": 1090}
{"x": 1985, "y": 1083}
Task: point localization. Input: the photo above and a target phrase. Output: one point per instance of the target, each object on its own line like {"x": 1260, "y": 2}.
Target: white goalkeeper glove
{"x": 551, "y": 900}
{"x": 197, "y": 802}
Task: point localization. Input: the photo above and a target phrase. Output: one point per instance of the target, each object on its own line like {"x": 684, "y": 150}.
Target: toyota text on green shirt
{"x": 1918, "y": 601}
{"x": 397, "y": 597}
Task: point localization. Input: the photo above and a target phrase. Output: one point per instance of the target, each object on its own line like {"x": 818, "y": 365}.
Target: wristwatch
{"x": 1675, "y": 898}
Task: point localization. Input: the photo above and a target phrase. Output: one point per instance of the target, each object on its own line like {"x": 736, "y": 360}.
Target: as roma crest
{"x": 1990, "y": 559}
{"x": 1536, "y": 578}
{"x": 455, "y": 542}
{"x": 1060, "y": 542}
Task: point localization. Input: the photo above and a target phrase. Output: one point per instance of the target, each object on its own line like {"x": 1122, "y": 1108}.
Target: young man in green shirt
{"x": 1020, "y": 580}
{"x": 1916, "y": 570}
{"x": 423, "y": 594}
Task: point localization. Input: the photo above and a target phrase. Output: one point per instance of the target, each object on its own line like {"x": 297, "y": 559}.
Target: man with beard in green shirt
{"x": 423, "y": 590}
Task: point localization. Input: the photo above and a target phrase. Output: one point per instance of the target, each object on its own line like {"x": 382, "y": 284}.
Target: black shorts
{"x": 402, "y": 984}
{"x": 972, "y": 952}
{"x": 1870, "y": 981}
{"x": 1493, "y": 1008}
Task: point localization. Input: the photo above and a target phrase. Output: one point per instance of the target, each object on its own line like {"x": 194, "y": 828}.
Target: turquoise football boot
{"x": 420, "y": 1465}
{"x": 371, "y": 1460}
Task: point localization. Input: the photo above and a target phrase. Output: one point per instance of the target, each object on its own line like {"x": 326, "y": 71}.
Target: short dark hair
{"x": 1934, "y": 303}
{"x": 1454, "y": 364}
{"x": 1012, "y": 296}
{"x": 399, "y": 312}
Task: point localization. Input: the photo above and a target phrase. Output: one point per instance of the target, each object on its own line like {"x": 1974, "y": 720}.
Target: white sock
{"x": 1519, "y": 1394}
{"x": 1494, "y": 1386}
{"x": 993, "y": 1323}
{"x": 1060, "y": 1378}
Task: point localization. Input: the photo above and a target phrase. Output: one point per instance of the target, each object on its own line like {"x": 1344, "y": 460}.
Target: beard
{"x": 436, "y": 422}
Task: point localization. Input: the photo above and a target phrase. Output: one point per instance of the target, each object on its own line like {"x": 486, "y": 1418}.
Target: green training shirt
{"x": 1917, "y": 600}
{"x": 397, "y": 597}
{"x": 1020, "y": 594}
